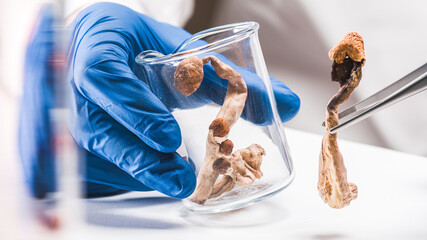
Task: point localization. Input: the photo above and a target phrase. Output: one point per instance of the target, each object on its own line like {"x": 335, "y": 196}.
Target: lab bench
{"x": 392, "y": 204}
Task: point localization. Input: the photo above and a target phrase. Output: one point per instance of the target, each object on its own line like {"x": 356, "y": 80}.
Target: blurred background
{"x": 296, "y": 36}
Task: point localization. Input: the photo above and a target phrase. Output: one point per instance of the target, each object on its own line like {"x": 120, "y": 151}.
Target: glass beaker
{"x": 217, "y": 87}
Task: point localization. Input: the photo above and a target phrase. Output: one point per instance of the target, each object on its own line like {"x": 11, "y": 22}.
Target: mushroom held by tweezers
{"x": 349, "y": 57}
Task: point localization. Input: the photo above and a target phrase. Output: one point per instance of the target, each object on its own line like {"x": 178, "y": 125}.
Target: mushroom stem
{"x": 348, "y": 56}
{"x": 229, "y": 113}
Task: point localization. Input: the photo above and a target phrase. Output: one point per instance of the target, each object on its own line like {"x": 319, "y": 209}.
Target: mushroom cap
{"x": 188, "y": 75}
{"x": 351, "y": 46}
{"x": 219, "y": 127}
{"x": 226, "y": 147}
{"x": 221, "y": 166}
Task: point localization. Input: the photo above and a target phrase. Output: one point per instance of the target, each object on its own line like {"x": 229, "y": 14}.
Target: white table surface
{"x": 392, "y": 204}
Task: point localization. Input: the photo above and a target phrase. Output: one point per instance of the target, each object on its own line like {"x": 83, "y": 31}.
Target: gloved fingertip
{"x": 288, "y": 102}
{"x": 163, "y": 135}
{"x": 288, "y": 106}
{"x": 172, "y": 175}
{"x": 184, "y": 185}
{"x": 192, "y": 164}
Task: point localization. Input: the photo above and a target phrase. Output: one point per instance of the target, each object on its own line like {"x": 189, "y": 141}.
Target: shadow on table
{"x": 261, "y": 213}
{"x": 105, "y": 213}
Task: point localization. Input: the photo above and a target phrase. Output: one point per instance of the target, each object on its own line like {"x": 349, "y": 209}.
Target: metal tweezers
{"x": 407, "y": 86}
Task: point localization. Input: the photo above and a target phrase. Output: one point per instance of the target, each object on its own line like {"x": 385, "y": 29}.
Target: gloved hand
{"x": 129, "y": 135}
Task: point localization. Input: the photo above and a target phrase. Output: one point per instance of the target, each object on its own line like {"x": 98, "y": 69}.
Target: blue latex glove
{"x": 129, "y": 135}
{"x": 35, "y": 130}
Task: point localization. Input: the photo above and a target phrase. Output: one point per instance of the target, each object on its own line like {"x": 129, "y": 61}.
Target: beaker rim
{"x": 242, "y": 30}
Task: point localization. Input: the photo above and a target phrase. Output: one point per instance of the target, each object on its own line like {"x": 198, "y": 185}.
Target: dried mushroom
{"x": 241, "y": 167}
{"x": 349, "y": 57}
